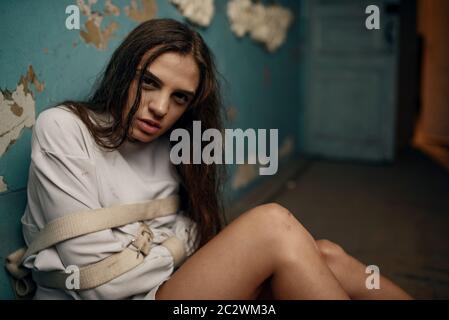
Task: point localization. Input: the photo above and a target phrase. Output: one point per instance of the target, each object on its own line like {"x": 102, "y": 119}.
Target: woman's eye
{"x": 180, "y": 98}
{"x": 149, "y": 83}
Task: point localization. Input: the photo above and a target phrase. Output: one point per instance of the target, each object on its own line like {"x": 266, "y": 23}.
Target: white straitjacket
{"x": 69, "y": 173}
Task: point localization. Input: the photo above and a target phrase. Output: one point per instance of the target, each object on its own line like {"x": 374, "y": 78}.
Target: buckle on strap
{"x": 143, "y": 240}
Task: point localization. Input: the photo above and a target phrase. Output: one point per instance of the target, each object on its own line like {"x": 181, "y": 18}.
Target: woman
{"x": 114, "y": 149}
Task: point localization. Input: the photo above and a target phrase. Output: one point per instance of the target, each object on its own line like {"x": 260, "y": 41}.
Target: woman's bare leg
{"x": 352, "y": 277}
{"x": 265, "y": 244}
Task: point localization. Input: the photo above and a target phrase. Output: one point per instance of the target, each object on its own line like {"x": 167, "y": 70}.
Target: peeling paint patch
{"x": 264, "y": 23}
{"x": 244, "y": 175}
{"x": 199, "y": 12}
{"x": 3, "y": 186}
{"x": 287, "y": 147}
{"x": 231, "y": 113}
{"x": 17, "y": 109}
{"x": 145, "y": 11}
{"x": 93, "y": 33}
{"x": 31, "y": 77}
{"x": 111, "y": 9}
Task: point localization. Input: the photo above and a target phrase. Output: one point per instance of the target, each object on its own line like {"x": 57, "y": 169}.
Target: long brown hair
{"x": 201, "y": 184}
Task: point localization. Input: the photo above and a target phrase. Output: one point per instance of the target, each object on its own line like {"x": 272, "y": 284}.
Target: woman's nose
{"x": 159, "y": 105}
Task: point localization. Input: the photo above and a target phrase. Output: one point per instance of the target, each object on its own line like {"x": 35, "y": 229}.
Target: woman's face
{"x": 168, "y": 87}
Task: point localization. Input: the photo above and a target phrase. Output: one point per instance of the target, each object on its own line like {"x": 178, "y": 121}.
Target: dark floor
{"x": 394, "y": 216}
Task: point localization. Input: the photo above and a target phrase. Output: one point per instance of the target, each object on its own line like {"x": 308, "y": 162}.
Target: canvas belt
{"x": 88, "y": 221}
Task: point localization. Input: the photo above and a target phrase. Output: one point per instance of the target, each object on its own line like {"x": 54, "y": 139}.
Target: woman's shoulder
{"x": 59, "y": 130}
{"x": 53, "y": 117}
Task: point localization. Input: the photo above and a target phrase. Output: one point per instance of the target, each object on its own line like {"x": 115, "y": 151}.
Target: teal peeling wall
{"x": 263, "y": 87}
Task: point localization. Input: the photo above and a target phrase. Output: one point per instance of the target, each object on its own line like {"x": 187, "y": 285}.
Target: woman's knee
{"x": 330, "y": 250}
{"x": 271, "y": 217}
{"x": 279, "y": 226}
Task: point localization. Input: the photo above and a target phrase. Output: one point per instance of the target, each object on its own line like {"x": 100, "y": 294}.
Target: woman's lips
{"x": 148, "y": 126}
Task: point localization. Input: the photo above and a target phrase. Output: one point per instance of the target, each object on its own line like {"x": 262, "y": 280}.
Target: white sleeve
{"x": 64, "y": 181}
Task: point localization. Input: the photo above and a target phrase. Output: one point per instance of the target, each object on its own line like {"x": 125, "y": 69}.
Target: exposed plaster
{"x": 231, "y": 113}
{"x": 145, "y": 11}
{"x": 264, "y": 23}
{"x": 3, "y": 186}
{"x": 111, "y": 9}
{"x": 93, "y": 33}
{"x": 17, "y": 109}
{"x": 199, "y": 12}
